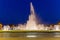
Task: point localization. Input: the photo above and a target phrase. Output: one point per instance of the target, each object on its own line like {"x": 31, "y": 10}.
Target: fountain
{"x": 31, "y": 23}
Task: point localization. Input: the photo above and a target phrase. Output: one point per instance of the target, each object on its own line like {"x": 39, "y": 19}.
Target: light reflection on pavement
{"x": 31, "y": 33}
{"x": 30, "y": 36}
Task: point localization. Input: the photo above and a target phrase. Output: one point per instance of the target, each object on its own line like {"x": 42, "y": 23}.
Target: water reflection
{"x": 38, "y": 35}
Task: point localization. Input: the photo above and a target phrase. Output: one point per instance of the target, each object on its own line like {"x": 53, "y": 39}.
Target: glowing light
{"x": 31, "y": 36}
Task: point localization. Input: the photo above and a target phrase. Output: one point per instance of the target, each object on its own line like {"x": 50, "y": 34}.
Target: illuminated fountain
{"x": 32, "y": 22}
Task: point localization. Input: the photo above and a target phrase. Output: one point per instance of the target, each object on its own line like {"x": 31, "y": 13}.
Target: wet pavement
{"x": 29, "y": 36}
{"x": 30, "y": 33}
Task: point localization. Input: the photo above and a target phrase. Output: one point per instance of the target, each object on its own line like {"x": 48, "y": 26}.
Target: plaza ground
{"x": 29, "y": 36}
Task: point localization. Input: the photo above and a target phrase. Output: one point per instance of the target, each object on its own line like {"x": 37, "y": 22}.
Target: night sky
{"x": 17, "y": 11}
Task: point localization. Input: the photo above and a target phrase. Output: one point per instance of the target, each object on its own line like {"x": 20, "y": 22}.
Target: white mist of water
{"x": 32, "y": 22}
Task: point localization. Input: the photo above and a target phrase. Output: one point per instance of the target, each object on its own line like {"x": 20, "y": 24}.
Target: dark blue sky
{"x": 17, "y": 11}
